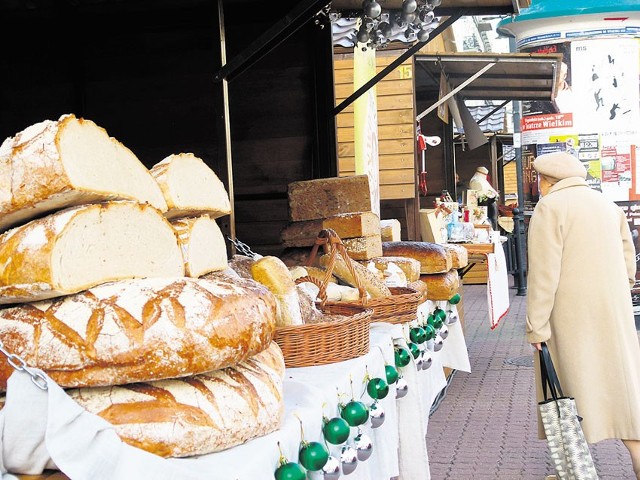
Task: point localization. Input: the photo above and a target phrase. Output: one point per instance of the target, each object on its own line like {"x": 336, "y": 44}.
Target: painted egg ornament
{"x": 402, "y": 357}
{"x": 313, "y": 455}
{"x": 427, "y": 360}
{"x": 355, "y": 413}
{"x": 452, "y": 317}
{"x": 290, "y": 471}
{"x": 402, "y": 388}
{"x": 336, "y": 431}
{"x": 415, "y": 349}
{"x": 418, "y": 361}
{"x": 391, "y": 373}
{"x": 431, "y": 320}
{"x": 364, "y": 447}
{"x": 430, "y": 331}
{"x": 418, "y": 335}
{"x": 331, "y": 469}
{"x": 455, "y": 299}
{"x": 377, "y": 415}
{"x": 348, "y": 459}
{"x": 377, "y": 388}
{"x": 438, "y": 343}
{"x": 439, "y": 313}
{"x": 444, "y": 332}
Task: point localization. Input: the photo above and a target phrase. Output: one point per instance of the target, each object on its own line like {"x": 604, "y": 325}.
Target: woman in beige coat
{"x": 581, "y": 265}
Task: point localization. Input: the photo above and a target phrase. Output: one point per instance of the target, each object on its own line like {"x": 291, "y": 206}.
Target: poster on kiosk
{"x": 595, "y": 114}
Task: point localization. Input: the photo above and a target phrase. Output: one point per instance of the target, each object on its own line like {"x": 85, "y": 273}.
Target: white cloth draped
{"x": 47, "y": 429}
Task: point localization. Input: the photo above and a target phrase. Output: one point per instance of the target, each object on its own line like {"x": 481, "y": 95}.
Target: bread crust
{"x": 433, "y": 257}
{"x": 140, "y": 330}
{"x": 195, "y": 415}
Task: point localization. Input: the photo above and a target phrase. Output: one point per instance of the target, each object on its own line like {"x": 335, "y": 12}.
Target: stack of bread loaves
{"x": 342, "y": 204}
{"x": 439, "y": 264}
{"x": 100, "y": 289}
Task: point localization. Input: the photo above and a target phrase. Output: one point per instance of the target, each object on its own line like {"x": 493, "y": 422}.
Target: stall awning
{"x": 489, "y": 76}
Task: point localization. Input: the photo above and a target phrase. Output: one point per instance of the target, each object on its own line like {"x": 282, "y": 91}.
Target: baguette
{"x": 190, "y": 187}
{"x": 140, "y": 330}
{"x": 274, "y": 274}
{"x": 202, "y": 244}
{"x": 53, "y": 165}
{"x": 372, "y": 284}
{"x": 195, "y": 415}
{"x": 81, "y": 247}
{"x": 433, "y": 257}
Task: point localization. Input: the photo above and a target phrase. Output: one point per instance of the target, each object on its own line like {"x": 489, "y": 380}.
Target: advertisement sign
{"x": 595, "y": 114}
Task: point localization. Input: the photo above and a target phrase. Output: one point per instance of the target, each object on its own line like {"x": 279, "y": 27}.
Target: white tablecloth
{"x": 49, "y": 424}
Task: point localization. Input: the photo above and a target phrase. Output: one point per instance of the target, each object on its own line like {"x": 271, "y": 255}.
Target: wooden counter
{"x": 476, "y": 272}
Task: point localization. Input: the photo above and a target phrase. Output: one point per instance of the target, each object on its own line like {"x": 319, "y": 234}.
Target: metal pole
{"x": 227, "y": 124}
{"x": 520, "y": 278}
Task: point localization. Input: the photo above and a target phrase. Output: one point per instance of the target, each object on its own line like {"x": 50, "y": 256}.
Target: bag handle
{"x": 548, "y": 374}
{"x": 331, "y": 244}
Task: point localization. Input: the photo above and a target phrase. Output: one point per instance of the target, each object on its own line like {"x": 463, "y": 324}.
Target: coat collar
{"x": 567, "y": 183}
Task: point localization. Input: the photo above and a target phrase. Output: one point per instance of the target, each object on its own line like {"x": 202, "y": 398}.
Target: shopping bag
{"x": 568, "y": 447}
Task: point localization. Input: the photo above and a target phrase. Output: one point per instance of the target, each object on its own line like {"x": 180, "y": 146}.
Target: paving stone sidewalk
{"x": 485, "y": 427}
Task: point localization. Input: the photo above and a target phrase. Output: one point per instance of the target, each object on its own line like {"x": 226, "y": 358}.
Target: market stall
{"x": 132, "y": 346}
{"x": 52, "y": 429}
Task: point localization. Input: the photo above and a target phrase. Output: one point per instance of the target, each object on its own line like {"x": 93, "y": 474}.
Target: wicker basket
{"x": 326, "y": 342}
{"x": 400, "y": 307}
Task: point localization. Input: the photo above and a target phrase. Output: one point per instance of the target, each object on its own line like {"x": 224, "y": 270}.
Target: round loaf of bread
{"x": 433, "y": 257}
{"x": 441, "y": 286}
{"x": 140, "y": 330}
{"x": 195, "y": 415}
{"x": 459, "y": 255}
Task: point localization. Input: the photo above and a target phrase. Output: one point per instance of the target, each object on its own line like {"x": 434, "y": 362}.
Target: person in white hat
{"x": 581, "y": 264}
{"x": 480, "y": 184}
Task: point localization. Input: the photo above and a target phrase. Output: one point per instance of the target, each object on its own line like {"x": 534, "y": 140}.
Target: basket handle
{"x": 331, "y": 243}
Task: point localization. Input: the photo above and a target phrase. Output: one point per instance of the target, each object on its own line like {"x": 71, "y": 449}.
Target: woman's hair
{"x": 550, "y": 180}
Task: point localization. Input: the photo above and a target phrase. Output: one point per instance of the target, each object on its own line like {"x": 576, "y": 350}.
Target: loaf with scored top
{"x": 140, "y": 330}
{"x": 195, "y": 415}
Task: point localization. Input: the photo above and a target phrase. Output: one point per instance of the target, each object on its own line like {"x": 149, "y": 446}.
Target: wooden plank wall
{"x": 510, "y": 178}
{"x": 396, "y": 131}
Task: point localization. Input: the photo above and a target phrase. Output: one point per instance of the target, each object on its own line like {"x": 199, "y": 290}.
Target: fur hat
{"x": 559, "y": 165}
{"x": 482, "y": 170}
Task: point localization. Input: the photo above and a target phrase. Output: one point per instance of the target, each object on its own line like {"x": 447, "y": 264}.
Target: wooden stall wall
{"x": 150, "y": 83}
{"x": 273, "y": 128}
{"x": 398, "y": 156}
{"x": 147, "y": 82}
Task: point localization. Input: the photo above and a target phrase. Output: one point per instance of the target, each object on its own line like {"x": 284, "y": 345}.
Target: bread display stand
{"x": 77, "y": 441}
